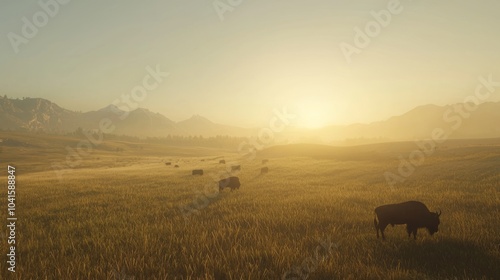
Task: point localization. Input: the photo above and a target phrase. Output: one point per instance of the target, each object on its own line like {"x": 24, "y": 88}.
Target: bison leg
{"x": 409, "y": 230}
{"x": 382, "y": 227}
{"x": 412, "y": 229}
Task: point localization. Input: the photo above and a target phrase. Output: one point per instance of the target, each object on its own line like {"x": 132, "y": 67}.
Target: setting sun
{"x": 312, "y": 113}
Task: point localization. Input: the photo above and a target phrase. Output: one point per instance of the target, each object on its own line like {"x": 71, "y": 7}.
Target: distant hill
{"x": 419, "y": 124}
{"x": 374, "y": 152}
{"x": 198, "y": 125}
{"x": 140, "y": 122}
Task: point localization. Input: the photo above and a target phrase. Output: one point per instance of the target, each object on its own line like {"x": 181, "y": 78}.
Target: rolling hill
{"x": 419, "y": 123}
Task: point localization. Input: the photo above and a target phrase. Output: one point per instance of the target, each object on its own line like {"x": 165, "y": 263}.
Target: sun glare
{"x": 312, "y": 114}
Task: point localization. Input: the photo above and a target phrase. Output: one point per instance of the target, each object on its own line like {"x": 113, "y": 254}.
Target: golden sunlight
{"x": 312, "y": 113}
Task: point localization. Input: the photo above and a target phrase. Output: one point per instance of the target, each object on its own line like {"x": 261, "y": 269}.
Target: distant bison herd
{"x": 230, "y": 182}
{"x": 222, "y": 161}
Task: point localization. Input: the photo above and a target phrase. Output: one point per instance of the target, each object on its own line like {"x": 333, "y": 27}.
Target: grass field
{"x": 128, "y": 216}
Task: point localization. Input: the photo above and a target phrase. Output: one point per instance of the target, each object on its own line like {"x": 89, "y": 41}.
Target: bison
{"x": 197, "y": 172}
{"x": 222, "y": 161}
{"x": 176, "y": 166}
{"x": 264, "y": 170}
{"x": 412, "y": 213}
{"x": 168, "y": 163}
{"x": 235, "y": 167}
{"x": 231, "y": 182}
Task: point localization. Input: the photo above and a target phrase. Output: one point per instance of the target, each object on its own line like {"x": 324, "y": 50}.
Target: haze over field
{"x": 259, "y": 57}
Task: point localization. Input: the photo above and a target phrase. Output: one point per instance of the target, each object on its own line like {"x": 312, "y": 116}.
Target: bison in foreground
{"x": 231, "y": 182}
{"x": 412, "y": 213}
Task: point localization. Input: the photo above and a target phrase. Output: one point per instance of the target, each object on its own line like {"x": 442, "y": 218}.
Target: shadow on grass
{"x": 441, "y": 258}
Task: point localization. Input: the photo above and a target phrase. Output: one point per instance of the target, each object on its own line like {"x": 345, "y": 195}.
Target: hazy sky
{"x": 263, "y": 55}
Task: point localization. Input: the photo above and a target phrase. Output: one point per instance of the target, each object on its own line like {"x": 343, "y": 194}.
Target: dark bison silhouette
{"x": 222, "y": 161}
{"x": 168, "y": 163}
{"x": 176, "y": 166}
{"x": 230, "y": 182}
{"x": 235, "y": 167}
{"x": 412, "y": 213}
{"x": 264, "y": 170}
{"x": 197, "y": 172}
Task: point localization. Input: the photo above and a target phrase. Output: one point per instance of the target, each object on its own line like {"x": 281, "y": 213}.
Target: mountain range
{"x": 37, "y": 114}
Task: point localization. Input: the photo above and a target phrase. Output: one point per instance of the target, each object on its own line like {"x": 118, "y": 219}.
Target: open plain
{"x": 127, "y": 215}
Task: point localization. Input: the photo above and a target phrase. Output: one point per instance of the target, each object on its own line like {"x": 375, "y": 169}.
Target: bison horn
{"x": 439, "y": 213}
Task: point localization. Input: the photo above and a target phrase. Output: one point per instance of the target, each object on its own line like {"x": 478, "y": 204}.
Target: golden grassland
{"x": 128, "y": 216}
